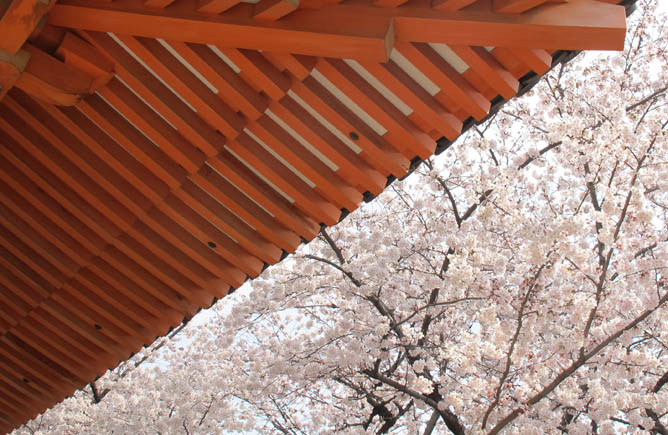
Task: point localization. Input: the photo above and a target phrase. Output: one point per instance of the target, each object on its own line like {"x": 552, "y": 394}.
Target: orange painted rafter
{"x": 68, "y": 183}
{"x": 213, "y": 7}
{"x": 257, "y": 71}
{"x": 231, "y": 88}
{"x": 424, "y": 105}
{"x": 327, "y": 182}
{"x": 401, "y": 133}
{"x": 272, "y": 10}
{"x": 389, "y": 3}
{"x": 536, "y": 59}
{"x": 189, "y": 124}
{"x": 485, "y": 65}
{"x": 516, "y": 6}
{"x": 351, "y": 166}
{"x": 451, "y": 5}
{"x": 577, "y": 25}
{"x": 446, "y": 78}
{"x": 375, "y": 149}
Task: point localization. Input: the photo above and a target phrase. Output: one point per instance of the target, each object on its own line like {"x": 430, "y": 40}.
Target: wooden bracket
{"x": 19, "y": 21}
{"x": 11, "y": 68}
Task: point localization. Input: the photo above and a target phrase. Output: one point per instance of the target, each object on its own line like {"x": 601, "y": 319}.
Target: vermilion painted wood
{"x": 536, "y": 59}
{"x": 489, "y": 69}
{"x": 248, "y": 182}
{"x": 300, "y": 66}
{"x": 19, "y": 21}
{"x": 389, "y": 3}
{"x": 375, "y": 150}
{"x": 231, "y": 88}
{"x": 401, "y": 133}
{"x": 445, "y": 77}
{"x": 85, "y": 58}
{"x": 55, "y": 199}
{"x": 227, "y": 194}
{"x": 122, "y": 217}
{"x": 305, "y": 198}
{"x": 215, "y": 7}
{"x": 515, "y": 6}
{"x": 450, "y": 5}
{"x": 208, "y": 106}
{"x": 259, "y": 72}
{"x": 236, "y": 28}
{"x": 351, "y": 166}
{"x": 330, "y": 33}
{"x": 411, "y": 93}
{"x": 272, "y": 10}
{"x": 247, "y": 237}
{"x": 193, "y": 128}
{"x": 328, "y": 183}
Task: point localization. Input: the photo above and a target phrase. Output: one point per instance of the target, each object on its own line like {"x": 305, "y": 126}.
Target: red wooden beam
{"x": 356, "y": 29}
{"x": 19, "y": 21}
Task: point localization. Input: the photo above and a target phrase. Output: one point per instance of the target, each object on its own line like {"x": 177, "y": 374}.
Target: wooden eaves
{"x": 155, "y": 154}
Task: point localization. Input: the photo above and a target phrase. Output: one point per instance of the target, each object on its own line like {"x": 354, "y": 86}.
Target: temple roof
{"x": 156, "y": 154}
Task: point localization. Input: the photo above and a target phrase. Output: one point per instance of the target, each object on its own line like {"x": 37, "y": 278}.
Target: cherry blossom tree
{"x": 514, "y": 284}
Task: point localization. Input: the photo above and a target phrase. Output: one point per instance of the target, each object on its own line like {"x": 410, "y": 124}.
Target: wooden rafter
{"x": 19, "y": 20}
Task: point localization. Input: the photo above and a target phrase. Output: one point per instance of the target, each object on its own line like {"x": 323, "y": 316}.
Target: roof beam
{"x": 19, "y": 21}
{"x": 341, "y": 32}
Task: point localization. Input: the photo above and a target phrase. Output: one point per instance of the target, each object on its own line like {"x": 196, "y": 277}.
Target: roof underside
{"x": 156, "y": 154}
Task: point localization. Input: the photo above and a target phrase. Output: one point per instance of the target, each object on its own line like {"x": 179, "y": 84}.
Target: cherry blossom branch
{"x": 444, "y": 185}
{"x": 658, "y": 426}
{"x": 350, "y": 276}
{"x": 528, "y": 161}
{"x": 206, "y": 412}
{"x": 431, "y": 424}
{"x": 450, "y": 419}
{"x": 332, "y": 244}
{"x": 655, "y": 94}
{"x": 566, "y": 373}
{"x": 623, "y": 213}
{"x": 513, "y": 342}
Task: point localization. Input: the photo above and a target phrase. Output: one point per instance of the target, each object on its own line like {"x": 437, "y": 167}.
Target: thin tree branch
{"x": 566, "y": 373}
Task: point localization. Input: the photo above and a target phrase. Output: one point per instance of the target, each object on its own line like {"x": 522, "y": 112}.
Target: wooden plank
{"x": 313, "y": 33}
{"x": 215, "y": 7}
{"x": 162, "y": 99}
{"x": 389, "y": 3}
{"x": 272, "y": 10}
{"x": 264, "y": 195}
{"x": 424, "y": 105}
{"x": 515, "y": 6}
{"x": 258, "y": 72}
{"x": 351, "y": 166}
{"x": 536, "y": 59}
{"x": 120, "y": 196}
{"x": 576, "y": 25}
{"x": 19, "y": 21}
{"x": 446, "y": 78}
{"x": 209, "y": 180}
{"x": 231, "y": 88}
{"x": 489, "y": 68}
{"x": 304, "y": 197}
{"x": 401, "y": 133}
{"x": 11, "y": 68}
{"x": 92, "y": 218}
{"x": 375, "y": 150}
{"x": 330, "y": 185}
{"x": 450, "y": 5}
